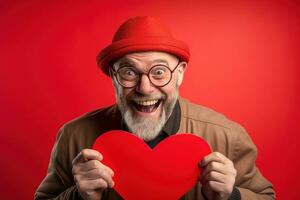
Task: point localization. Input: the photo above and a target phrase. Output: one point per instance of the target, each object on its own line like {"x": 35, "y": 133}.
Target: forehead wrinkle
{"x": 133, "y": 60}
{"x": 144, "y": 60}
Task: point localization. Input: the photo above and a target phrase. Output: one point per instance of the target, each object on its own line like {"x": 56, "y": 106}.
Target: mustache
{"x": 140, "y": 97}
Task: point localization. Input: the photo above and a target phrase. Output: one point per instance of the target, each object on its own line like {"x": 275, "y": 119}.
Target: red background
{"x": 245, "y": 63}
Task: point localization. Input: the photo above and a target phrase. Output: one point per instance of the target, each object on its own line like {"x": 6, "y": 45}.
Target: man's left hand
{"x": 218, "y": 176}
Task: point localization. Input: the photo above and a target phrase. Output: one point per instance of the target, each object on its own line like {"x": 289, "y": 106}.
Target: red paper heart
{"x": 166, "y": 172}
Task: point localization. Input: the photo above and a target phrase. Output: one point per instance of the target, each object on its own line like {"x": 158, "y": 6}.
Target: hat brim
{"x": 123, "y": 47}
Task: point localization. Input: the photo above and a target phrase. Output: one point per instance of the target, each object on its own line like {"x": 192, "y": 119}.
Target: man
{"x": 147, "y": 67}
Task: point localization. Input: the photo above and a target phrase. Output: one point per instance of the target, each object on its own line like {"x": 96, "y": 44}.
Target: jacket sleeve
{"x": 250, "y": 182}
{"x": 58, "y": 183}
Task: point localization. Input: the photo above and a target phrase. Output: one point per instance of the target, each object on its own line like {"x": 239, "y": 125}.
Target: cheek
{"x": 169, "y": 89}
{"x": 125, "y": 92}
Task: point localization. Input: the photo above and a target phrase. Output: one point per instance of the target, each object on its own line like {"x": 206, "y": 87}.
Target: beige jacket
{"x": 223, "y": 135}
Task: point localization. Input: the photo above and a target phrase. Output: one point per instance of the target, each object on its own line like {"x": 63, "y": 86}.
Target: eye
{"x": 127, "y": 73}
{"x": 159, "y": 72}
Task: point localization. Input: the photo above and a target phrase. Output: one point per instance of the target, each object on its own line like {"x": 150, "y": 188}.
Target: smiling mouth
{"x": 146, "y": 106}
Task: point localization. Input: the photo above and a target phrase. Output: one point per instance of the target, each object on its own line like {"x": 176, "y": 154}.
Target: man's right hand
{"x": 90, "y": 175}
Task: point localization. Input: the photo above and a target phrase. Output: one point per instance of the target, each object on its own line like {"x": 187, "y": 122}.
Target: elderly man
{"x": 147, "y": 67}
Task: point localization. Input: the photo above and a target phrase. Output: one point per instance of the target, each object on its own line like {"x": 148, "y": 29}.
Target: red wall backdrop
{"x": 245, "y": 63}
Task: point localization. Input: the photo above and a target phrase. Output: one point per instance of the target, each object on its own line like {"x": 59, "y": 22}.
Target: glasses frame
{"x": 115, "y": 73}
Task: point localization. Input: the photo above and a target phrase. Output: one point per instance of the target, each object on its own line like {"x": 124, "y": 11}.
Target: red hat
{"x": 141, "y": 33}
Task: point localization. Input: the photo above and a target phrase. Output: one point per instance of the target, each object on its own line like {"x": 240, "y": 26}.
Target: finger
{"x": 105, "y": 174}
{"x": 94, "y": 174}
{"x": 86, "y": 155}
{"x": 90, "y": 185}
{"x": 86, "y": 167}
{"x": 219, "y": 190}
{"x": 215, "y": 156}
{"x": 109, "y": 170}
{"x": 90, "y": 175}
{"x": 214, "y": 176}
{"x": 81, "y": 168}
{"x": 215, "y": 186}
{"x": 213, "y": 166}
{"x": 218, "y": 167}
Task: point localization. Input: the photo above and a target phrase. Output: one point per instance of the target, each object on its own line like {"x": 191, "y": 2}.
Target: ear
{"x": 181, "y": 69}
{"x": 111, "y": 74}
{"x": 110, "y": 71}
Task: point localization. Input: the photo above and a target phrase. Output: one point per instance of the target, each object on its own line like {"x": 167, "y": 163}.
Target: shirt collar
{"x": 172, "y": 125}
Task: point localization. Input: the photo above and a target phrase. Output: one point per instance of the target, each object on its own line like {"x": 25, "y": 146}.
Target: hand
{"x": 90, "y": 175}
{"x": 218, "y": 176}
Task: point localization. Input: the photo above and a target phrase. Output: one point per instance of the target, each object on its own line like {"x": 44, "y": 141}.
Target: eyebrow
{"x": 126, "y": 63}
{"x": 129, "y": 63}
{"x": 160, "y": 61}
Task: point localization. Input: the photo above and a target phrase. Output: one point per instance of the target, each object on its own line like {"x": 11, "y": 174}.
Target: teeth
{"x": 147, "y": 102}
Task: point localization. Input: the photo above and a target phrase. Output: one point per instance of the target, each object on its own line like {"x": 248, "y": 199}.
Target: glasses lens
{"x": 160, "y": 75}
{"x": 127, "y": 76}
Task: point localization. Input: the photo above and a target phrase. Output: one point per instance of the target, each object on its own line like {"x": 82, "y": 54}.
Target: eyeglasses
{"x": 159, "y": 75}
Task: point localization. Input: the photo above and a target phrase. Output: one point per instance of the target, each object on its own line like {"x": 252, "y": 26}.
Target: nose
{"x": 144, "y": 85}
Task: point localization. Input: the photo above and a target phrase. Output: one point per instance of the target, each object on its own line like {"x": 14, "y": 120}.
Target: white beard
{"x": 145, "y": 128}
